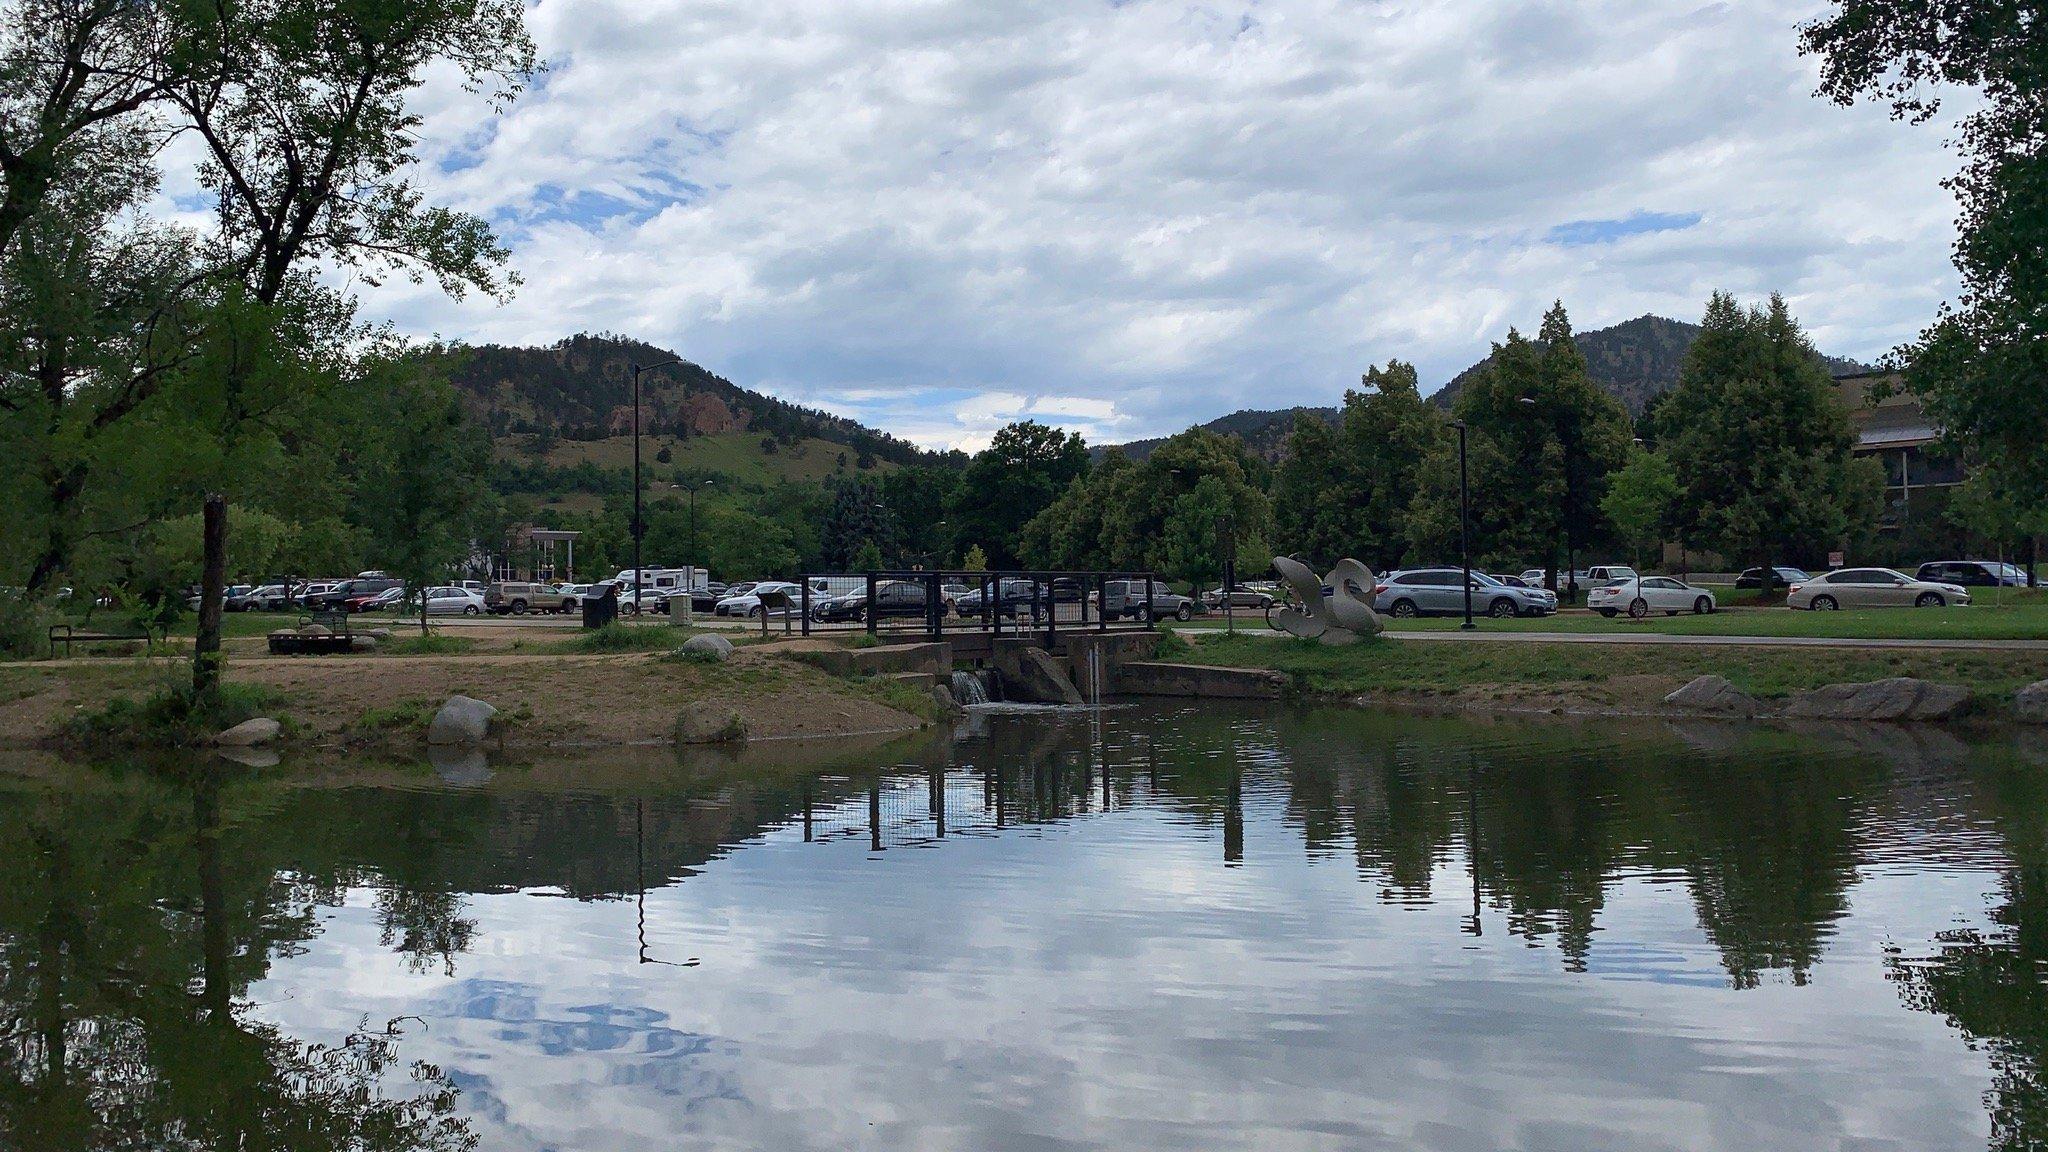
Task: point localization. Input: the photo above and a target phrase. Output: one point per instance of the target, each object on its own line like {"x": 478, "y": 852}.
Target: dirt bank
{"x": 550, "y": 700}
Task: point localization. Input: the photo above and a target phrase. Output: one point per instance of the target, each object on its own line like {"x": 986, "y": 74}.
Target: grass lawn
{"x": 2024, "y": 616}
{"x": 1448, "y": 668}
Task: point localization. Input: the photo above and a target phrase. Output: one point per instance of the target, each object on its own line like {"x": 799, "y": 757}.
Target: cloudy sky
{"x": 1125, "y": 216}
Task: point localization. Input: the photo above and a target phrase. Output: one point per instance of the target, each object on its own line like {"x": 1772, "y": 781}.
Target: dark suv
{"x": 364, "y": 586}
{"x": 1974, "y": 573}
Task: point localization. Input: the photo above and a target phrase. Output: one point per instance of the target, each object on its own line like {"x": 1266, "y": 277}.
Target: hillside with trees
{"x": 1634, "y": 361}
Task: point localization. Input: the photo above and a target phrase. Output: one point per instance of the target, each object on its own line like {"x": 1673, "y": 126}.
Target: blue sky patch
{"x": 1581, "y": 232}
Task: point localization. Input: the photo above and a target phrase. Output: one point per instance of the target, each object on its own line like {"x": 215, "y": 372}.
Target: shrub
{"x": 173, "y": 716}
{"x": 24, "y": 627}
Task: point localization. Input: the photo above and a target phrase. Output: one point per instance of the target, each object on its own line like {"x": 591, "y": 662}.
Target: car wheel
{"x": 519, "y": 607}
{"x": 1403, "y": 610}
{"x": 1141, "y": 614}
{"x": 754, "y": 613}
{"x": 1702, "y": 606}
{"x": 1502, "y": 609}
{"x": 469, "y": 609}
{"x": 860, "y": 616}
{"x": 1609, "y": 613}
{"x": 1930, "y": 600}
{"x": 1638, "y": 608}
{"x": 1825, "y": 604}
{"x": 1184, "y": 613}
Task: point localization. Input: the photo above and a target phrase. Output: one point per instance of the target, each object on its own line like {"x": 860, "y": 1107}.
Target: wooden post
{"x": 206, "y": 659}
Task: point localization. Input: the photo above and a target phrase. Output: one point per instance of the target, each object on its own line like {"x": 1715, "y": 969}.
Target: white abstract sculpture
{"x": 1341, "y": 617}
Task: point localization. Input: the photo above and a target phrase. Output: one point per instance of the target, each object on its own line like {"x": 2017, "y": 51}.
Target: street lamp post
{"x": 639, "y": 522}
{"x": 1464, "y": 522}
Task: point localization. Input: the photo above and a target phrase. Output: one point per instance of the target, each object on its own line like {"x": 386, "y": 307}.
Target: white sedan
{"x": 448, "y": 601}
{"x": 750, "y": 604}
{"x": 1646, "y": 594}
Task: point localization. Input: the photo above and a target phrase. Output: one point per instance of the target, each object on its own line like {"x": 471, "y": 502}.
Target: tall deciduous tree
{"x": 1759, "y": 443}
{"x": 1639, "y": 503}
{"x": 1346, "y": 491}
{"x": 420, "y": 514}
{"x": 1982, "y": 367}
{"x": 1023, "y": 470}
{"x": 1542, "y": 440}
{"x": 302, "y": 109}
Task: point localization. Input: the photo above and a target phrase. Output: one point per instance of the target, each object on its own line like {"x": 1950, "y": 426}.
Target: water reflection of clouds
{"x": 1107, "y": 983}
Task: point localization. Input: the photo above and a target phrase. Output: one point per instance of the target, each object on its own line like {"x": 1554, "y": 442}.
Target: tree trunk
{"x": 206, "y": 659}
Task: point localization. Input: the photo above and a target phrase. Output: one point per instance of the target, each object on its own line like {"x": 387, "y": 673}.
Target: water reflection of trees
{"x": 1989, "y": 981}
{"x": 1546, "y": 819}
{"x": 132, "y": 928}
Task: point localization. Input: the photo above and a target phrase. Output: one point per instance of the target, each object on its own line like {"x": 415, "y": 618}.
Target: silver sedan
{"x": 1872, "y": 588}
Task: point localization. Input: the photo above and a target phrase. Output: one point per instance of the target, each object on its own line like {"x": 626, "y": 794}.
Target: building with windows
{"x": 1891, "y": 425}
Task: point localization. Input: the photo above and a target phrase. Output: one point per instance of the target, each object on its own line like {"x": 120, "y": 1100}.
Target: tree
{"x": 856, "y": 519}
{"x": 1982, "y": 366}
{"x": 420, "y": 516}
{"x": 976, "y": 560}
{"x": 1137, "y": 501}
{"x": 1542, "y": 439}
{"x": 1639, "y": 502}
{"x": 1023, "y": 470}
{"x": 302, "y": 112}
{"x": 1758, "y": 443}
{"x": 1347, "y": 491}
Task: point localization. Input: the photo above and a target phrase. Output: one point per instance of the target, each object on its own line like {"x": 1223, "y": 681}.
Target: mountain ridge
{"x": 1635, "y": 361}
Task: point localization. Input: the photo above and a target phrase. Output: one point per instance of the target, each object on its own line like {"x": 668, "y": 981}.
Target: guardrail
{"x": 1021, "y": 602}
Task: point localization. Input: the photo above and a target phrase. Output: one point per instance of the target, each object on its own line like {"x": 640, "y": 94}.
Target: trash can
{"x": 601, "y": 606}
{"x": 679, "y": 606}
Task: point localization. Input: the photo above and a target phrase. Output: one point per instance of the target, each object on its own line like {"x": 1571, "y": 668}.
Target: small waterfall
{"x": 968, "y": 690}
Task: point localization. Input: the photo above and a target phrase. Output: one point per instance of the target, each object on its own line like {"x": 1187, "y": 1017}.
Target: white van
{"x": 666, "y": 580}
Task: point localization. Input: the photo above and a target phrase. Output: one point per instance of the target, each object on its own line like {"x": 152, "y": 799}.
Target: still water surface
{"x": 1197, "y": 929}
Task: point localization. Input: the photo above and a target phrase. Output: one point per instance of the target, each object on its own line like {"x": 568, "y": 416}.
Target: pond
{"x": 1184, "y": 928}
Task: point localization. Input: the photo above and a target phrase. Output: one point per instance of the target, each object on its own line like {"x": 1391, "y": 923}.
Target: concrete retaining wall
{"x": 1198, "y": 681}
{"x": 931, "y": 659}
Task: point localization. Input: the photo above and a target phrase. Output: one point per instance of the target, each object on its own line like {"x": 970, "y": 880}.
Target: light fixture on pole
{"x": 1464, "y": 522}
{"x": 639, "y": 522}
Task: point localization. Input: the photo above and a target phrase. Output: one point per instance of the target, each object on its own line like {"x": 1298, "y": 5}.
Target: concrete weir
{"x": 1077, "y": 667}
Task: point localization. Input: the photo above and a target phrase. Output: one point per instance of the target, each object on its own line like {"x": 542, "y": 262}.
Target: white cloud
{"x": 1170, "y": 209}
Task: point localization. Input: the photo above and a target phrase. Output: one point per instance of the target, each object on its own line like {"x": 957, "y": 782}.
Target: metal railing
{"x": 938, "y": 603}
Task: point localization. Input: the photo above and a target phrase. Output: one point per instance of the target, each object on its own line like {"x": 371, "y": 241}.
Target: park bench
{"x": 337, "y": 637}
{"x": 67, "y": 635}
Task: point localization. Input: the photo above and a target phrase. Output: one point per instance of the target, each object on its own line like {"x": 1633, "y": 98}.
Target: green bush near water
{"x": 173, "y": 716}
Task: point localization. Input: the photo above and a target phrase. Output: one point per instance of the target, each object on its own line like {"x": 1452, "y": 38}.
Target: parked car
{"x": 749, "y": 603}
{"x": 1013, "y": 598}
{"x": 1607, "y": 574}
{"x": 1974, "y": 573}
{"x": 1533, "y": 577}
{"x": 648, "y": 597}
{"x": 1780, "y": 577}
{"x": 1647, "y": 594}
{"x": 449, "y": 600}
{"x": 950, "y": 594}
{"x": 572, "y": 596}
{"x": 897, "y": 598}
{"x": 1133, "y": 600}
{"x": 1872, "y": 588}
{"x": 1441, "y": 592}
{"x": 1515, "y": 581}
{"x": 263, "y": 598}
{"x": 1243, "y": 596}
{"x": 518, "y": 597}
{"x": 340, "y": 593}
{"x": 375, "y": 601}
{"x": 304, "y": 594}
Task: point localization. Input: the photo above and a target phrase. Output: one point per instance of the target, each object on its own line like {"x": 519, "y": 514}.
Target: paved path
{"x": 1971, "y": 645}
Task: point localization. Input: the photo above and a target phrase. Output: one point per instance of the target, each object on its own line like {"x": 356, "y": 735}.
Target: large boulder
{"x": 1714, "y": 694}
{"x": 708, "y": 724}
{"x": 250, "y": 733}
{"x": 943, "y": 697}
{"x": 707, "y": 647}
{"x": 461, "y": 721}
{"x": 1033, "y": 676}
{"x": 1901, "y": 698}
{"x": 2032, "y": 703}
